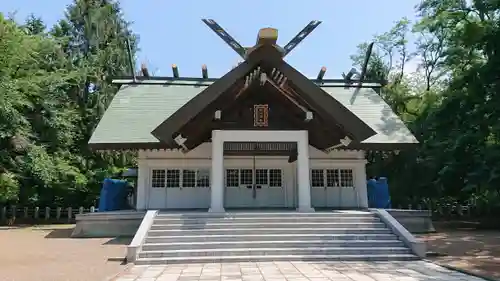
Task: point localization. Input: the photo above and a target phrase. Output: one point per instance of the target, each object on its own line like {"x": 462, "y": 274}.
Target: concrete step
{"x": 275, "y": 251}
{"x": 266, "y": 225}
{"x": 270, "y": 236}
{"x": 273, "y": 243}
{"x": 216, "y": 259}
{"x": 195, "y": 215}
{"x": 222, "y": 238}
{"x": 281, "y": 230}
{"x": 272, "y": 219}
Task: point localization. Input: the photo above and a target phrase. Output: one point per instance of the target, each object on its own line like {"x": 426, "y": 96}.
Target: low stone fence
{"x": 89, "y": 222}
{"x": 415, "y": 221}
{"x": 12, "y": 214}
{"x": 419, "y": 218}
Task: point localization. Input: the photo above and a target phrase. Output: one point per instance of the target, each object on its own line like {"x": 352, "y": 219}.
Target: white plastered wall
{"x": 200, "y": 158}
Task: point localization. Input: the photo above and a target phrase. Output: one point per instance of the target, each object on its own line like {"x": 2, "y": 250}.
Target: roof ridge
{"x": 192, "y": 81}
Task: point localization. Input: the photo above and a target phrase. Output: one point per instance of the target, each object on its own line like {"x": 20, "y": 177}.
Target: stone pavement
{"x": 295, "y": 271}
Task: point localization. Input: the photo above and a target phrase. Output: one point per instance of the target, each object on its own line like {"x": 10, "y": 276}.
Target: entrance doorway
{"x": 223, "y": 194}
{"x": 256, "y": 187}
{"x": 255, "y": 174}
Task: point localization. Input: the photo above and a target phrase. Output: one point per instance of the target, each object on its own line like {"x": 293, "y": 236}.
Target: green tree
{"x": 53, "y": 92}
{"x": 32, "y": 125}
{"x": 451, "y": 104}
{"x": 95, "y": 35}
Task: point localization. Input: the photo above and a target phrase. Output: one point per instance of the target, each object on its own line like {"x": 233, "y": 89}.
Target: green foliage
{"x": 52, "y": 94}
{"x": 450, "y": 104}
{"x": 9, "y": 187}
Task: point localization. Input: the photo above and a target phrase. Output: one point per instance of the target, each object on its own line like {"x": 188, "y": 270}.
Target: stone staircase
{"x": 270, "y": 236}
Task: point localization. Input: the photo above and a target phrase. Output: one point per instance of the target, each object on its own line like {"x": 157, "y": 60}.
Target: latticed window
{"x": 176, "y": 178}
{"x": 275, "y": 178}
{"x": 189, "y": 178}
{"x": 317, "y": 178}
{"x": 158, "y": 178}
{"x": 232, "y": 177}
{"x": 173, "y": 178}
{"x": 203, "y": 178}
{"x": 346, "y": 178}
{"x": 246, "y": 176}
{"x": 332, "y": 177}
{"x": 261, "y": 177}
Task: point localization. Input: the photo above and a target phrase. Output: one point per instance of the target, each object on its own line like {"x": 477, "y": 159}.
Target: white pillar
{"x": 217, "y": 174}
{"x": 304, "y": 186}
{"x": 142, "y": 185}
{"x": 360, "y": 184}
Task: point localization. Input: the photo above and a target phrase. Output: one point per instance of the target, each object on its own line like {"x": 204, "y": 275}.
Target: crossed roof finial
{"x": 265, "y": 36}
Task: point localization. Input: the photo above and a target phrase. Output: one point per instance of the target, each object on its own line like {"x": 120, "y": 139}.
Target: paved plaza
{"x": 295, "y": 271}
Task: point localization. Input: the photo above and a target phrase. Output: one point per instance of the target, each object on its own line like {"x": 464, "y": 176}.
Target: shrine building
{"x": 261, "y": 136}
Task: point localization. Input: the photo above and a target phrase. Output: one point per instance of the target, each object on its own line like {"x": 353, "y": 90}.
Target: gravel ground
{"x": 476, "y": 251}
{"x": 46, "y": 253}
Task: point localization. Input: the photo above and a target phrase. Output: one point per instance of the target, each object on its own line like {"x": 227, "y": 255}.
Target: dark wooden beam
{"x": 194, "y": 118}
{"x": 144, "y": 70}
{"x": 325, "y": 104}
{"x": 205, "y": 120}
{"x": 205, "y": 136}
{"x": 322, "y": 134}
{"x": 159, "y": 146}
{"x": 269, "y": 67}
{"x": 317, "y": 116}
{"x": 338, "y": 82}
{"x": 125, "y": 146}
{"x": 164, "y": 132}
{"x": 321, "y": 74}
{"x": 257, "y": 153}
{"x": 175, "y": 71}
{"x": 204, "y": 71}
{"x": 293, "y": 156}
{"x": 320, "y": 127}
{"x": 130, "y": 60}
{"x": 287, "y": 95}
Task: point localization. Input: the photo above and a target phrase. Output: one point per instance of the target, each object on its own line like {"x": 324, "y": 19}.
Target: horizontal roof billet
{"x": 155, "y": 80}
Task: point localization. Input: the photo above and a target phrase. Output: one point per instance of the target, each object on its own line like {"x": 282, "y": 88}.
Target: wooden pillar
{"x": 360, "y": 184}
{"x": 217, "y": 176}
{"x": 303, "y": 176}
{"x": 142, "y": 185}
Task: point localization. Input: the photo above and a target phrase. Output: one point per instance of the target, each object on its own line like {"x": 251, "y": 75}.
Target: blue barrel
{"x": 371, "y": 187}
{"x": 113, "y": 195}
{"x": 383, "y": 197}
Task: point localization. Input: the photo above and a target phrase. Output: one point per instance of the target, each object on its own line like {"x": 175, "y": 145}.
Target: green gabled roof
{"x": 137, "y": 109}
{"x": 369, "y": 106}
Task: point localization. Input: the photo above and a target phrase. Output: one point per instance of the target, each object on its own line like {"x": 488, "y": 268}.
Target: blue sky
{"x": 171, "y": 32}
